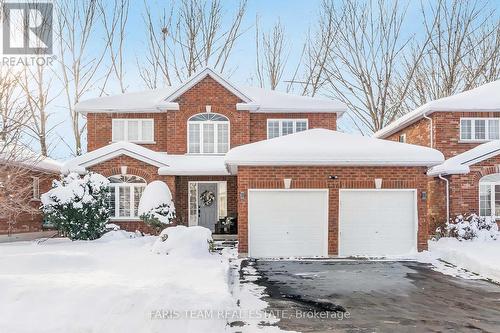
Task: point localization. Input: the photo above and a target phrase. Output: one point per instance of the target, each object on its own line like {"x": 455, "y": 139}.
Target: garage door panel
{"x": 288, "y": 223}
{"x": 377, "y": 223}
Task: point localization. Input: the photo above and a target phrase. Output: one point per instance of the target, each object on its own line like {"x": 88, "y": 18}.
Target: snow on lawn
{"x": 114, "y": 284}
{"x": 126, "y": 283}
{"x": 479, "y": 257}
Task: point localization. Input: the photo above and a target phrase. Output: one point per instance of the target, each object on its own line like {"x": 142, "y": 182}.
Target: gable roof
{"x": 460, "y": 163}
{"x": 325, "y": 147}
{"x": 483, "y": 98}
{"x": 23, "y": 156}
{"x": 253, "y": 99}
{"x": 80, "y": 163}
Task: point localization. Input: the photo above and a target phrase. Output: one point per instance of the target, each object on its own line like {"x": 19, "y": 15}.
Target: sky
{"x": 297, "y": 16}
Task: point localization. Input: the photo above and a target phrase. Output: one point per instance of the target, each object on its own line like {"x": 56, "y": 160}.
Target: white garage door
{"x": 287, "y": 223}
{"x": 377, "y": 222}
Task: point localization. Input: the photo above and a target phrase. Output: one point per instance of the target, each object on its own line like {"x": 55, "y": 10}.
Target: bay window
{"x": 280, "y": 127}
{"x": 489, "y": 196}
{"x": 133, "y": 130}
{"x": 479, "y": 129}
{"x": 125, "y": 194}
{"x": 208, "y": 133}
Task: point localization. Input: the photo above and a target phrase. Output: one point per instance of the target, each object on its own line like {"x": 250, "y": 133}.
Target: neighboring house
{"x": 466, "y": 129}
{"x": 273, "y": 160}
{"x": 24, "y": 176}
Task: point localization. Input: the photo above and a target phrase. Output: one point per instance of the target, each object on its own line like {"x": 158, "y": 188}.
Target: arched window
{"x": 208, "y": 133}
{"x": 489, "y": 195}
{"x": 126, "y": 192}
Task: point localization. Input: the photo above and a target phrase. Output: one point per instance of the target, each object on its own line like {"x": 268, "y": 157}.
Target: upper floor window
{"x": 208, "y": 133}
{"x": 279, "y": 127}
{"x": 479, "y": 129}
{"x": 133, "y": 130}
{"x": 125, "y": 194}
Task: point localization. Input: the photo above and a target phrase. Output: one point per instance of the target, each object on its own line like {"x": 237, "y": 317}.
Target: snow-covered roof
{"x": 80, "y": 163}
{"x": 460, "y": 163}
{"x": 483, "y": 98}
{"x": 195, "y": 165}
{"x": 24, "y": 156}
{"x": 326, "y": 147}
{"x": 254, "y": 99}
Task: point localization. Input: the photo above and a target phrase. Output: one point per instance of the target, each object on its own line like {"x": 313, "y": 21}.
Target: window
{"x": 126, "y": 192}
{"x": 208, "y": 133}
{"x": 36, "y": 188}
{"x": 279, "y": 127}
{"x": 489, "y": 196}
{"x": 402, "y": 138}
{"x": 479, "y": 129}
{"x": 133, "y": 130}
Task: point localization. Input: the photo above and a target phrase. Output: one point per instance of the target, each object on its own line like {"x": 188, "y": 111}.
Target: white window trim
{"x": 473, "y": 129}
{"x": 115, "y": 187}
{"x": 492, "y": 199}
{"x": 126, "y": 121}
{"x": 280, "y": 122}
{"x": 35, "y": 189}
{"x": 193, "y": 223}
{"x": 216, "y": 136}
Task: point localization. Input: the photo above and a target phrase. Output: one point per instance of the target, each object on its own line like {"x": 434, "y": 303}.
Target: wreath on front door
{"x": 207, "y": 198}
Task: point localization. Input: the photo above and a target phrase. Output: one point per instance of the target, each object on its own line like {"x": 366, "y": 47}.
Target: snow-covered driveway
{"x": 107, "y": 285}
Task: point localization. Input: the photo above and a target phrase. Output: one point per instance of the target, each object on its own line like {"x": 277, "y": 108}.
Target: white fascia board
{"x": 166, "y": 171}
{"x": 301, "y": 110}
{"x": 247, "y": 106}
{"x": 118, "y": 152}
{"x": 332, "y": 163}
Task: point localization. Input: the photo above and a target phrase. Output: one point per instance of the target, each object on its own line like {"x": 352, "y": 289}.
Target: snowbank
{"x": 480, "y": 257}
{"x": 192, "y": 242}
{"x": 118, "y": 285}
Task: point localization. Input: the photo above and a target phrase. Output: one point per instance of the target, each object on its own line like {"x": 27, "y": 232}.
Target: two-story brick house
{"x": 272, "y": 160}
{"x": 466, "y": 129}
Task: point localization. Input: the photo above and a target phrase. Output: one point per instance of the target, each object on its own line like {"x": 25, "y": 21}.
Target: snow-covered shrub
{"x": 184, "y": 241}
{"x": 78, "y": 205}
{"x": 470, "y": 227}
{"x": 156, "y": 207}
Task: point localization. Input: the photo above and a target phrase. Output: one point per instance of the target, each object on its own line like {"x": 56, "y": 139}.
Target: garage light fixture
{"x": 287, "y": 182}
{"x": 378, "y": 183}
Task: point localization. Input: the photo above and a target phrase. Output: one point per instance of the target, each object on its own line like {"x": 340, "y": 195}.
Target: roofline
{"x": 333, "y": 163}
{"x": 389, "y": 130}
{"x": 193, "y": 80}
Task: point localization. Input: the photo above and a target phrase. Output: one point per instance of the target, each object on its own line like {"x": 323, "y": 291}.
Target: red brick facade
{"x": 29, "y": 222}
{"x": 170, "y": 135}
{"x": 464, "y": 189}
{"x": 317, "y": 177}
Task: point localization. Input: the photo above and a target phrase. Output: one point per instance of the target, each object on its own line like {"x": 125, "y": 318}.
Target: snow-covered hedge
{"x": 156, "y": 207}
{"x": 470, "y": 227}
{"x": 78, "y": 205}
{"x": 192, "y": 242}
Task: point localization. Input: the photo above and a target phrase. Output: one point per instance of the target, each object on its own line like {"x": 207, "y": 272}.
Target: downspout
{"x": 447, "y": 197}
{"x": 431, "y": 131}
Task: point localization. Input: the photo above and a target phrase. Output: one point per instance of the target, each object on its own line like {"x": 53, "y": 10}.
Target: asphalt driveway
{"x": 376, "y": 296}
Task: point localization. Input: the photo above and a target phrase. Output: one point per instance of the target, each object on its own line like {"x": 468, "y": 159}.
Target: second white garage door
{"x": 287, "y": 223}
{"x": 377, "y": 222}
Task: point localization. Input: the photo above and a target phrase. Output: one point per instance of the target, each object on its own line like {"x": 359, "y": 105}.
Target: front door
{"x": 207, "y": 205}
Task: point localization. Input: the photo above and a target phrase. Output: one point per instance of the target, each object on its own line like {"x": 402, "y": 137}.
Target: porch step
{"x": 223, "y": 237}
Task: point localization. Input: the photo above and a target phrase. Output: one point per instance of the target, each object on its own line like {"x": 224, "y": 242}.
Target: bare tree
{"x": 272, "y": 59}
{"x": 197, "y": 37}
{"x": 80, "y": 59}
{"x": 310, "y": 71}
{"x": 366, "y": 52}
{"x": 13, "y": 110}
{"x": 115, "y": 25}
{"x": 463, "y": 52}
